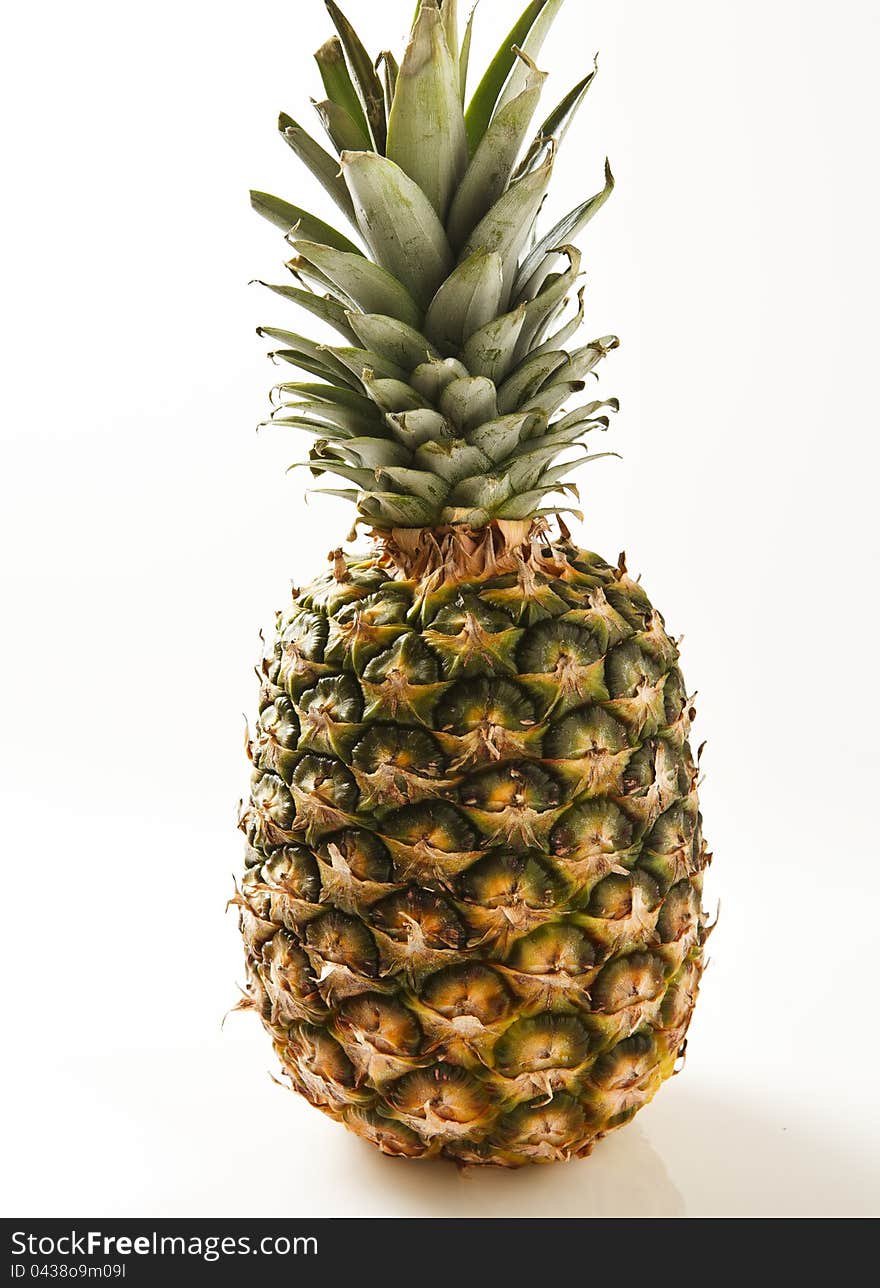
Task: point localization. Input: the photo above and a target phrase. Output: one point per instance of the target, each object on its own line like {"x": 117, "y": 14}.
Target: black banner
{"x": 133, "y": 1252}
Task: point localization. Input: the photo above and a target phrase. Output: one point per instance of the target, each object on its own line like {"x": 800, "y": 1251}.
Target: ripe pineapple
{"x": 472, "y": 899}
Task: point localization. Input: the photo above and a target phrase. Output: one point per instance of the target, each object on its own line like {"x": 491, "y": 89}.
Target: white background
{"x": 147, "y": 534}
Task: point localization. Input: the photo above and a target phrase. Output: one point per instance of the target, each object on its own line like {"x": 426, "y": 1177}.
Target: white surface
{"x": 147, "y": 534}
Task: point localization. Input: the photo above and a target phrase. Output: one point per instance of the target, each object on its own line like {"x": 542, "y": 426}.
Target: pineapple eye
{"x": 471, "y": 704}
{"x": 386, "y": 1024}
{"x": 627, "y": 981}
{"x": 409, "y": 656}
{"x": 318, "y": 1053}
{"x": 553, "y": 950}
{"x": 387, "y": 1134}
{"x": 594, "y": 827}
{"x": 521, "y": 786}
{"x": 552, "y": 644}
{"x": 328, "y": 780}
{"x": 625, "y": 1064}
{"x": 409, "y": 749}
{"x": 272, "y": 801}
{"x": 583, "y": 732}
{"x": 542, "y": 1042}
{"x": 454, "y": 619}
{"x": 306, "y": 634}
{"x": 344, "y": 940}
{"x": 628, "y": 667}
{"x": 679, "y": 914}
{"x": 558, "y": 1122}
{"x": 436, "y": 919}
{"x": 500, "y": 880}
{"x": 364, "y": 853}
{"x": 337, "y": 699}
{"x": 444, "y": 1092}
{"x": 279, "y": 723}
{"x": 469, "y": 989}
{"x": 294, "y": 869}
{"x": 437, "y": 825}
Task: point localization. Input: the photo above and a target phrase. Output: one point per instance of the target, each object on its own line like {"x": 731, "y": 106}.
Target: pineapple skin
{"x": 472, "y": 898}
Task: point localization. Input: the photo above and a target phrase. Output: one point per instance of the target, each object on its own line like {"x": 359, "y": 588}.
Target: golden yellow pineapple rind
{"x": 472, "y": 905}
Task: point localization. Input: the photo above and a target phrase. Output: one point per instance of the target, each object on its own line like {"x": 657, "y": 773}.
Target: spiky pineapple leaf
{"x": 490, "y": 351}
{"x": 287, "y": 217}
{"x": 357, "y": 361}
{"x": 468, "y": 402}
{"x": 392, "y": 396}
{"x": 568, "y": 227}
{"x": 551, "y": 398}
{"x": 318, "y": 353}
{"x": 556, "y": 124}
{"x": 450, "y": 25}
{"x": 396, "y": 510}
{"x": 541, "y": 310}
{"x": 419, "y": 425}
{"x": 391, "y": 71}
{"x": 497, "y": 439}
{"x": 490, "y": 169}
{"x": 328, "y": 310}
{"x": 398, "y": 223}
{"x": 528, "y": 378}
{"x": 464, "y": 57}
{"x": 426, "y": 135}
{"x": 341, "y": 130}
{"x": 322, "y": 165}
{"x": 468, "y": 299}
{"x": 338, "y": 85}
{"x": 375, "y": 452}
{"x": 559, "y": 339}
{"x": 392, "y": 339}
{"x": 367, "y": 284}
{"x": 482, "y": 105}
{"x": 506, "y": 226}
{"x": 364, "y": 74}
{"x": 451, "y": 459}
{"x": 582, "y": 361}
{"x": 531, "y": 48}
{"x": 305, "y": 362}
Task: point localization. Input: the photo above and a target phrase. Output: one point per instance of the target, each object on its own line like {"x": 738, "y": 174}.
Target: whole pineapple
{"x": 472, "y": 901}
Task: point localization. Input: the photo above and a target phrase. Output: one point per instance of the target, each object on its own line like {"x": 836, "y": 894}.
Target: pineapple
{"x": 472, "y": 897}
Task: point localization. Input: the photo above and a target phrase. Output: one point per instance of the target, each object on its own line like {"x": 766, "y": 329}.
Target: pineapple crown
{"x": 437, "y": 409}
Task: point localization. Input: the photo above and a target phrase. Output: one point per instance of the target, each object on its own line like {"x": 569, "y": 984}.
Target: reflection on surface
{"x": 624, "y": 1174}
{"x": 166, "y": 1133}
{"x": 694, "y": 1151}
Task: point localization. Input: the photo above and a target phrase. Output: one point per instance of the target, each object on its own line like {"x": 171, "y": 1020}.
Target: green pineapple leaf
{"x": 286, "y": 217}
{"x": 393, "y": 339}
{"x": 366, "y": 284}
{"x": 322, "y": 165}
{"x": 426, "y": 135}
{"x": 505, "y": 228}
{"x": 341, "y": 129}
{"x": 490, "y": 169}
{"x": 467, "y": 300}
{"x": 328, "y": 310}
{"x": 556, "y": 125}
{"x": 482, "y": 105}
{"x": 398, "y": 223}
{"x": 364, "y": 73}
{"x": 338, "y": 85}
{"x": 529, "y": 277}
